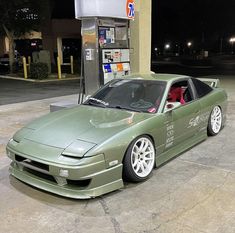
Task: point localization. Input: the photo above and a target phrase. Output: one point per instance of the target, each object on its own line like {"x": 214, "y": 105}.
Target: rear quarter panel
{"x": 217, "y": 97}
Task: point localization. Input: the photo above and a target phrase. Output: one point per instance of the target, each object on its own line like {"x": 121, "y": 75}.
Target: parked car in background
{"x": 4, "y": 60}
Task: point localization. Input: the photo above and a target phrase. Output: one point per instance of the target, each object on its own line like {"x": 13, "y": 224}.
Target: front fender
{"x": 115, "y": 147}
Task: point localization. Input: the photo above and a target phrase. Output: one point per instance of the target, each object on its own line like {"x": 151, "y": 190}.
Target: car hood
{"x": 84, "y": 123}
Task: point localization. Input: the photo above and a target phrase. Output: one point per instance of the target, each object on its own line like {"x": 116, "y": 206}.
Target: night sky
{"x": 63, "y": 9}
{"x": 204, "y": 22}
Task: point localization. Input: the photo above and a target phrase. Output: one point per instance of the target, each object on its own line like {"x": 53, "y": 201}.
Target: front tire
{"x": 139, "y": 160}
{"x": 215, "y": 121}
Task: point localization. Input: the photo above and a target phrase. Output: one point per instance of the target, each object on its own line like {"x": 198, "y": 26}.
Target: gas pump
{"x": 105, "y": 40}
{"x": 113, "y": 49}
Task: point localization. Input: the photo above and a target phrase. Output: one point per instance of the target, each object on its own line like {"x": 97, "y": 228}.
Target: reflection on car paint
{"x": 125, "y": 121}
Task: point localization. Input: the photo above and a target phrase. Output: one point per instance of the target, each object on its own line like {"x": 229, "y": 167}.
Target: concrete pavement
{"x": 193, "y": 193}
{"x": 16, "y": 91}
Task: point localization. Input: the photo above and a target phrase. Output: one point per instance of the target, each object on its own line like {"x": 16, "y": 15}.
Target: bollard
{"x": 59, "y": 68}
{"x": 71, "y": 63}
{"x": 29, "y": 62}
{"x": 25, "y": 68}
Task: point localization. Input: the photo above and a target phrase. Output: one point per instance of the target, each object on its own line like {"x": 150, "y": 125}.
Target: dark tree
{"x": 18, "y": 17}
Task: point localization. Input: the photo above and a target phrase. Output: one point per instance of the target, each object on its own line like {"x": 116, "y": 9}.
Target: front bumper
{"x": 88, "y": 180}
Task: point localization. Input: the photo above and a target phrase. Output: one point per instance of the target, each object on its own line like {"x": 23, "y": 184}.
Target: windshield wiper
{"x": 99, "y": 103}
{"x": 125, "y": 108}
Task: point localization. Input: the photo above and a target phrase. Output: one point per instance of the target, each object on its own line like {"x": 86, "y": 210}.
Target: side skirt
{"x": 178, "y": 149}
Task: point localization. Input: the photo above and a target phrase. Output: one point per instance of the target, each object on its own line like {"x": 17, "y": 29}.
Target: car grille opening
{"x": 19, "y": 158}
{"x": 41, "y": 171}
{"x": 40, "y": 174}
{"x": 79, "y": 183}
{"x": 42, "y": 166}
{"x": 70, "y": 183}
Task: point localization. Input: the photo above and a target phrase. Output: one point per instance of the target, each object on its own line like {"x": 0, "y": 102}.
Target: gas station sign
{"x": 130, "y": 9}
{"x": 105, "y": 8}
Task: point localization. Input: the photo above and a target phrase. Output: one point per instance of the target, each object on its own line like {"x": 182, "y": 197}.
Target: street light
{"x": 232, "y": 40}
{"x": 189, "y": 44}
{"x": 167, "y": 46}
{"x": 156, "y": 51}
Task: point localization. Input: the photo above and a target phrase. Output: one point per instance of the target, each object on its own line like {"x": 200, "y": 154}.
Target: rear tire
{"x": 215, "y": 121}
{"x": 139, "y": 160}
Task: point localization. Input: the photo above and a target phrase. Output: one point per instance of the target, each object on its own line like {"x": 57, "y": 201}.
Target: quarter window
{"x": 202, "y": 88}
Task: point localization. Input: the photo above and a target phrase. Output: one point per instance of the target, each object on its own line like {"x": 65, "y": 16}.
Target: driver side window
{"x": 179, "y": 94}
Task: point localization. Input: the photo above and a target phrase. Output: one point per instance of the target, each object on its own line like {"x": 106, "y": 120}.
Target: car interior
{"x": 180, "y": 92}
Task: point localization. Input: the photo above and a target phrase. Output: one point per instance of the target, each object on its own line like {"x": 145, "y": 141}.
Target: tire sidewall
{"x": 128, "y": 172}
{"x": 209, "y": 128}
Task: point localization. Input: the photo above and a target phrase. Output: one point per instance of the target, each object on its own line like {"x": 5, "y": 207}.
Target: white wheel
{"x": 139, "y": 160}
{"x": 215, "y": 121}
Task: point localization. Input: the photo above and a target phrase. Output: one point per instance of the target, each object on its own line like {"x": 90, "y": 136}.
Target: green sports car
{"x": 122, "y": 132}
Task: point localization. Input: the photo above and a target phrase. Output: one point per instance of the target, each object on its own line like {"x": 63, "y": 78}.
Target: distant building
{"x": 61, "y": 35}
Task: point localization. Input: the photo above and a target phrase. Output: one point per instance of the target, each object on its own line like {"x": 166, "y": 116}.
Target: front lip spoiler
{"x": 86, "y": 193}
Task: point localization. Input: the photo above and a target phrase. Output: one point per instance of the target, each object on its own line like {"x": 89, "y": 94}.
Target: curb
{"x": 38, "y": 81}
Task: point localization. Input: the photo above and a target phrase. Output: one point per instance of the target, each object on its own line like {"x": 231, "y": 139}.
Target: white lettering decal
{"x": 170, "y": 135}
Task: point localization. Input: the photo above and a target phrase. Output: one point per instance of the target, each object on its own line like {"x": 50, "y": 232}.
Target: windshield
{"x": 133, "y": 95}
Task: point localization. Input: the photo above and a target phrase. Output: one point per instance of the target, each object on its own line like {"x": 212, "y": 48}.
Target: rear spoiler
{"x": 210, "y": 81}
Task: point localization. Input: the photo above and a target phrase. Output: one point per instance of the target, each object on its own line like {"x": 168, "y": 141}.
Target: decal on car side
{"x": 170, "y": 135}
{"x": 195, "y": 121}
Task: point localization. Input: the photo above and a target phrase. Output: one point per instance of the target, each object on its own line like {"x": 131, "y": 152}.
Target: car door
{"x": 181, "y": 122}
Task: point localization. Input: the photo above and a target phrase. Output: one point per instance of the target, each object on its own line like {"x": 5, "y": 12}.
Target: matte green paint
{"x": 90, "y": 142}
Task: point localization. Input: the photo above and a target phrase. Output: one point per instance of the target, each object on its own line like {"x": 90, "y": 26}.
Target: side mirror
{"x": 171, "y": 105}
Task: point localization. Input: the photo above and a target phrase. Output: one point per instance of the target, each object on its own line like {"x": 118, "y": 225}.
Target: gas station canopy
{"x": 104, "y": 8}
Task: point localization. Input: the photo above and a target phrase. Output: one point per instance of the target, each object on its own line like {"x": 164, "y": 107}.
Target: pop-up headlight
{"x": 19, "y": 135}
{"x": 78, "y": 149}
